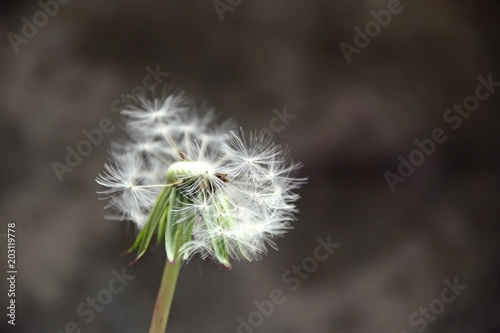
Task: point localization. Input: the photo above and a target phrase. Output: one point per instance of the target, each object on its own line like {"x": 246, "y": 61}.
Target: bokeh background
{"x": 352, "y": 121}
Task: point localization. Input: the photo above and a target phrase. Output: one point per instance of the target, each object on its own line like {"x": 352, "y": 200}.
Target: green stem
{"x": 165, "y": 296}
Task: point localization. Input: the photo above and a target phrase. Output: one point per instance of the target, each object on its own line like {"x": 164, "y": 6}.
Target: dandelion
{"x": 200, "y": 187}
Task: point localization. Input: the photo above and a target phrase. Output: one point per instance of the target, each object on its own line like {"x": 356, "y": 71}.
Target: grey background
{"x": 352, "y": 121}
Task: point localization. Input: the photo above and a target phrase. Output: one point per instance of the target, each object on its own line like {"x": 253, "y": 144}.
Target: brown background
{"x": 352, "y": 121}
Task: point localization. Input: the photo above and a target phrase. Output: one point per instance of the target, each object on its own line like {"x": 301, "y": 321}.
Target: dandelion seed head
{"x": 215, "y": 192}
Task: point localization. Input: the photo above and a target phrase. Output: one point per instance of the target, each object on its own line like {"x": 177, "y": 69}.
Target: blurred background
{"x": 349, "y": 117}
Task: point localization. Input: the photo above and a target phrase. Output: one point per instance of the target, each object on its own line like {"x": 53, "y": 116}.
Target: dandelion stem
{"x": 165, "y": 296}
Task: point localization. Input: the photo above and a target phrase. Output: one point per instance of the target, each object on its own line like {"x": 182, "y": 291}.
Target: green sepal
{"x": 172, "y": 228}
{"x": 229, "y": 221}
{"x": 177, "y": 234}
{"x": 187, "y": 235}
{"x": 144, "y": 238}
{"x": 219, "y": 245}
{"x": 162, "y": 226}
